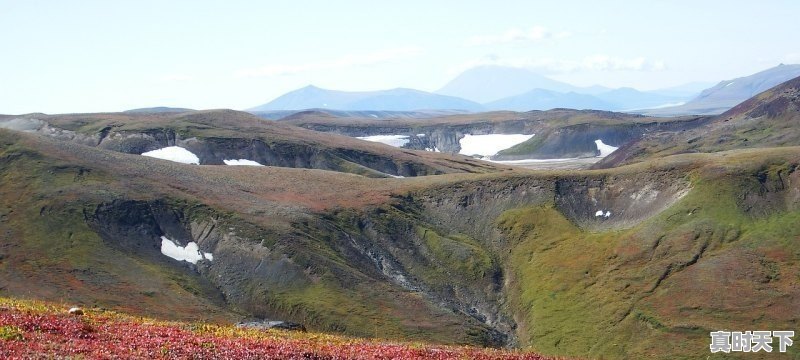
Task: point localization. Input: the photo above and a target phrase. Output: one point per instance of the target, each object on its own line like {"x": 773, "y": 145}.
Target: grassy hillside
{"x": 30, "y": 329}
{"x": 693, "y": 243}
{"x": 81, "y": 224}
{"x": 723, "y": 257}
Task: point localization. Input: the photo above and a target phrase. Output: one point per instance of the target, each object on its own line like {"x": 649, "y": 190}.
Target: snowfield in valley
{"x": 191, "y": 252}
{"x": 392, "y": 140}
{"x": 604, "y": 149}
{"x": 241, "y": 162}
{"x": 488, "y": 145}
{"x": 174, "y": 153}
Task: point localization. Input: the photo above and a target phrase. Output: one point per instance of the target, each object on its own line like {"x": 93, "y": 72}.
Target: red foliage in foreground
{"x": 26, "y": 334}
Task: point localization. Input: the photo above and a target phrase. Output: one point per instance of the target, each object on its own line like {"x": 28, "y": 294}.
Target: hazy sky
{"x": 85, "y": 56}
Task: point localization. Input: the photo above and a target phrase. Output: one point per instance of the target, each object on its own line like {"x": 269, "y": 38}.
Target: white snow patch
{"x": 605, "y": 214}
{"x": 433, "y": 149}
{"x": 393, "y": 140}
{"x": 604, "y": 149}
{"x": 488, "y": 145}
{"x": 373, "y": 115}
{"x": 174, "y": 153}
{"x": 244, "y": 162}
{"x": 191, "y": 252}
{"x": 420, "y": 135}
{"x": 729, "y": 84}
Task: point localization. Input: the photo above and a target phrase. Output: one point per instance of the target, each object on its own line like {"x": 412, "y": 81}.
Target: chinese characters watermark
{"x": 749, "y": 341}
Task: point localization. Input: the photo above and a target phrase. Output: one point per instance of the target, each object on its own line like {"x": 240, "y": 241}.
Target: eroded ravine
{"x": 442, "y": 244}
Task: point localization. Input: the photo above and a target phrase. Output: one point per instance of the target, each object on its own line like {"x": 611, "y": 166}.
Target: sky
{"x": 92, "y": 56}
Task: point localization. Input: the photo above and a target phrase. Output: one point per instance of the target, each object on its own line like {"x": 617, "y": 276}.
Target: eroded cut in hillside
{"x": 618, "y": 201}
{"x": 284, "y": 275}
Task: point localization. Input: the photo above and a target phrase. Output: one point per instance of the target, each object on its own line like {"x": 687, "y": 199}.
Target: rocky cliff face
{"x": 615, "y": 202}
{"x": 212, "y": 151}
{"x": 442, "y": 137}
{"x": 241, "y": 268}
{"x": 261, "y": 273}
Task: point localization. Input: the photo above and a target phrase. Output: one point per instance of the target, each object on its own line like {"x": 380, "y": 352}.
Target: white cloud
{"x": 364, "y": 59}
{"x": 536, "y": 33}
{"x": 548, "y": 65}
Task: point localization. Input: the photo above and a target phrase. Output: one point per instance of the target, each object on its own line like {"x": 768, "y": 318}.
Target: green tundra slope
{"x": 723, "y": 257}
{"x": 693, "y": 243}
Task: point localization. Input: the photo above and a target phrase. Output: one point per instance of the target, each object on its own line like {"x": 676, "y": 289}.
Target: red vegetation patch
{"x": 31, "y": 334}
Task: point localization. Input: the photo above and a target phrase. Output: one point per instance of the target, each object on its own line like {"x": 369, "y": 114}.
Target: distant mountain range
{"x": 621, "y": 99}
{"x": 729, "y": 93}
{"x": 157, "y": 110}
{"x": 489, "y": 83}
{"x": 541, "y": 99}
{"x": 486, "y": 88}
{"x": 688, "y": 90}
{"x": 375, "y": 114}
{"x": 312, "y": 97}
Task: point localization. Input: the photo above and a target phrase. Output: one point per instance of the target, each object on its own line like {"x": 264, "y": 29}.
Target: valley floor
{"x": 553, "y": 164}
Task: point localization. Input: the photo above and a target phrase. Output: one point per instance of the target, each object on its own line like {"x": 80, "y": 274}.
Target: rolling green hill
{"x": 641, "y": 260}
{"x": 517, "y": 258}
